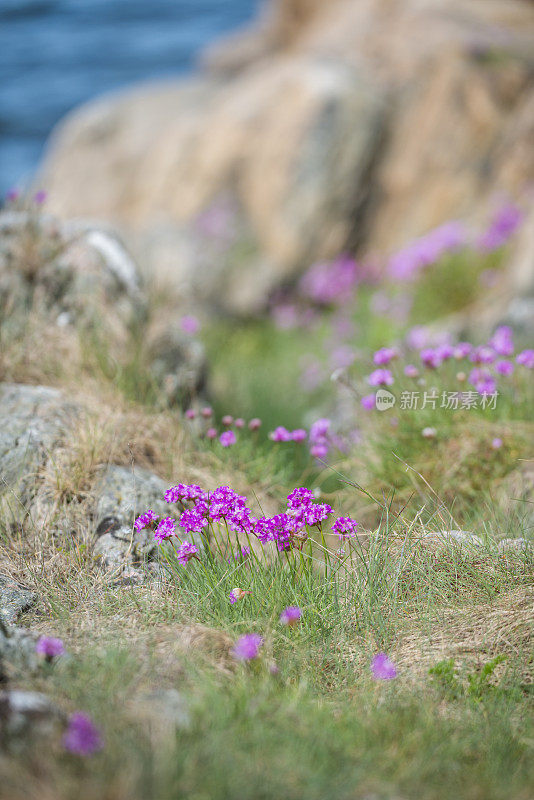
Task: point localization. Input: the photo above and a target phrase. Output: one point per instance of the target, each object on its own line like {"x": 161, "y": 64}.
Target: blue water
{"x": 56, "y": 54}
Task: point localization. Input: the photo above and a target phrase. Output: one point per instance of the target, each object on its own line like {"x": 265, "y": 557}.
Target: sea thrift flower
{"x": 429, "y": 433}
{"x": 193, "y": 520}
{"x": 82, "y": 736}
{"x": 211, "y": 433}
{"x": 183, "y": 491}
{"x": 165, "y": 529}
{"x": 383, "y": 356}
{"x": 40, "y": 197}
{"x": 247, "y": 647}
{"x": 345, "y": 527}
{"x": 145, "y": 519}
{"x": 190, "y": 413}
{"x": 417, "y": 337}
{"x": 330, "y": 283}
{"x": 239, "y": 423}
{"x": 502, "y": 226}
{"x": 290, "y": 615}
{"x": 368, "y": 402}
{"x": 254, "y": 424}
{"x": 299, "y": 435}
{"x": 380, "y": 377}
{"x": 504, "y": 368}
{"x": 190, "y": 324}
{"x": 502, "y": 341}
{"x": 526, "y": 359}
{"x": 431, "y": 358}
{"x": 280, "y": 434}
{"x": 227, "y": 438}
{"x": 186, "y": 552}
{"x": 382, "y": 668}
{"x": 238, "y": 594}
{"x": 482, "y": 355}
{"x": 483, "y": 381}
{"x": 496, "y": 443}
{"x": 49, "y": 647}
{"x": 411, "y": 371}
{"x": 227, "y": 420}
{"x": 316, "y": 513}
{"x": 300, "y": 498}
{"x": 12, "y": 195}
{"x": 462, "y": 350}
{"x": 207, "y": 412}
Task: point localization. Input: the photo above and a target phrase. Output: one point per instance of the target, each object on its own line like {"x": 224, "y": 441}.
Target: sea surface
{"x": 56, "y": 54}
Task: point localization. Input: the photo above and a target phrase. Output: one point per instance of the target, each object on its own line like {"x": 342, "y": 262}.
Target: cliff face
{"x": 352, "y": 123}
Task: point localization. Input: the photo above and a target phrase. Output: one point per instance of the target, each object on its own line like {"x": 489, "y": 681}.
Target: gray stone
{"x": 14, "y": 599}
{"x": 25, "y": 716}
{"x": 17, "y": 651}
{"x": 455, "y": 537}
{"x": 519, "y": 545}
{"x": 121, "y": 495}
{"x": 32, "y": 421}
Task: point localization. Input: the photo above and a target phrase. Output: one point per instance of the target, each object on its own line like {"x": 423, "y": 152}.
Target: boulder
{"x": 14, "y": 599}
{"x": 89, "y": 292}
{"x": 26, "y": 716}
{"x": 350, "y": 124}
{"x": 33, "y": 420}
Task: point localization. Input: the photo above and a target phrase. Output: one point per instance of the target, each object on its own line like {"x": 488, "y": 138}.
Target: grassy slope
{"x": 320, "y": 727}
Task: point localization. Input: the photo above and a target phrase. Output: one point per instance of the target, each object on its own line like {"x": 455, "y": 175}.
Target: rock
{"x": 25, "y": 716}
{"x": 82, "y": 280}
{"x": 17, "y": 651}
{"x": 291, "y": 143}
{"x": 518, "y": 545}
{"x": 33, "y": 420}
{"x": 14, "y": 599}
{"x": 515, "y": 496}
{"x": 464, "y": 539}
{"x": 122, "y": 494}
{"x": 329, "y": 125}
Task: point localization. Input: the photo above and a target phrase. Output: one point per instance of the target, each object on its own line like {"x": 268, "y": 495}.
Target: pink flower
{"x": 368, "y": 402}
{"x": 411, "y": 371}
{"x": 145, "y": 519}
{"x": 280, "y": 434}
{"x": 49, "y": 647}
{"x": 227, "y": 438}
{"x": 186, "y": 552}
{"x": 526, "y": 359}
{"x": 382, "y": 668}
{"x": 190, "y": 324}
{"x": 165, "y": 529}
{"x": 247, "y": 647}
{"x": 254, "y": 424}
{"x": 207, "y": 412}
{"x": 496, "y": 443}
{"x": 502, "y": 341}
{"x": 82, "y": 736}
{"x": 299, "y": 435}
{"x": 383, "y": 356}
{"x": 239, "y": 423}
{"x": 345, "y": 527}
{"x": 504, "y": 368}
{"x": 431, "y": 358}
{"x": 290, "y": 615}
{"x": 190, "y": 413}
{"x": 211, "y": 433}
{"x": 227, "y": 420}
{"x": 380, "y": 377}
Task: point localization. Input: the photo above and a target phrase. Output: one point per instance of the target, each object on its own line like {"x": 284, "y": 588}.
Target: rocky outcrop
{"x": 82, "y": 281}
{"x": 330, "y": 125}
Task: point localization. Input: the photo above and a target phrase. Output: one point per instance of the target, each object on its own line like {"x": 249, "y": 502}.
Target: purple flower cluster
{"x": 290, "y": 615}
{"x": 408, "y": 263}
{"x": 82, "y": 737}
{"x": 345, "y": 527}
{"x": 382, "y": 668}
{"x": 49, "y": 647}
{"x": 504, "y": 223}
{"x": 247, "y": 647}
{"x": 145, "y": 520}
{"x": 330, "y": 283}
{"x": 281, "y": 434}
{"x": 166, "y": 529}
{"x": 320, "y": 438}
{"x": 186, "y": 552}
